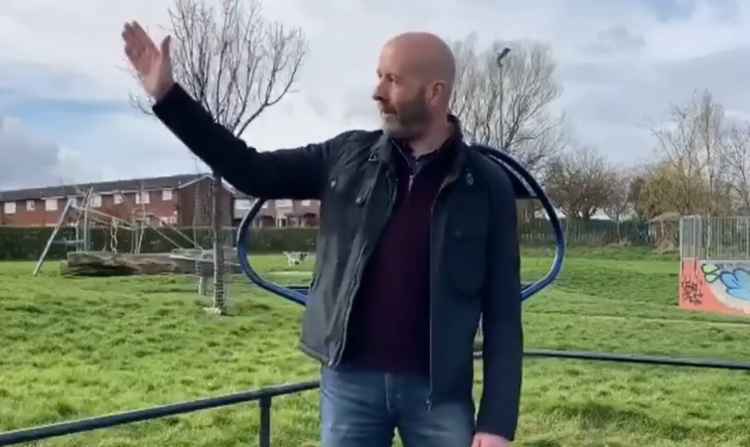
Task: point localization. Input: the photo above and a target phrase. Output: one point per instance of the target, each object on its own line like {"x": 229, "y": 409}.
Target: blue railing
{"x": 525, "y": 187}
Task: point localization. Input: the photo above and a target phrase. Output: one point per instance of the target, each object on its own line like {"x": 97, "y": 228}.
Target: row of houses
{"x": 179, "y": 200}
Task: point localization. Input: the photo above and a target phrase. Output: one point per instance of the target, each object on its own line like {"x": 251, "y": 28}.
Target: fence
{"x": 715, "y": 238}
{"x": 593, "y": 232}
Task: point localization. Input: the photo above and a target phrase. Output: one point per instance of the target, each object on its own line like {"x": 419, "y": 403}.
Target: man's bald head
{"x": 425, "y": 53}
{"x": 416, "y": 73}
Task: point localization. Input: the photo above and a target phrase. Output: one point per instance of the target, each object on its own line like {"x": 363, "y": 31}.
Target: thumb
{"x": 165, "y": 48}
{"x": 477, "y": 442}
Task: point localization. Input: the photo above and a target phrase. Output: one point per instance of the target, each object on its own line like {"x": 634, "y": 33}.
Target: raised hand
{"x": 154, "y": 66}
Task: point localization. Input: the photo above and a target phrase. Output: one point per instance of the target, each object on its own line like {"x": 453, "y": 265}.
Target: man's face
{"x": 401, "y": 97}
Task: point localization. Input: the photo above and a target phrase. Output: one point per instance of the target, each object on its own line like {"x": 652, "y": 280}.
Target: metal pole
{"x": 265, "y": 422}
{"x": 84, "y": 425}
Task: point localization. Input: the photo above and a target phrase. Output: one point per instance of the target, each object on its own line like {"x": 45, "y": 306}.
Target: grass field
{"x": 72, "y": 348}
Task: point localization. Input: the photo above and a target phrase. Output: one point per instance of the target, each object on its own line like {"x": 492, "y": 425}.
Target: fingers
{"x": 143, "y": 37}
{"x": 136, "y": 39}
{"x": 139, "y": 47}
{"x": 133, "y": 47}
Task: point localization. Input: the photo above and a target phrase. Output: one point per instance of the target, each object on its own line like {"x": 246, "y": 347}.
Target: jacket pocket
{"x": 465, "y": 253}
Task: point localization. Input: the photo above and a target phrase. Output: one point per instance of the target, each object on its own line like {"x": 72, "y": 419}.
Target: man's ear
{"x": 436, "y": 91}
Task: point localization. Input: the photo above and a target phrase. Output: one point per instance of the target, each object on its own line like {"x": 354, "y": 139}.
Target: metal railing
{"x": 265, "y": 396}
{"x": 715, "y": 238}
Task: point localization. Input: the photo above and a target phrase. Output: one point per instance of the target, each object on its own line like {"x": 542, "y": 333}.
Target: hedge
{"x": 28, "y": 243}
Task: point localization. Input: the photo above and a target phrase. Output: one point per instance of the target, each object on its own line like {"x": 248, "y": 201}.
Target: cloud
{"x": 621, "y": 63}
{"x": 129, "y": 145}
{"x": 617, "y": 39}
{"x": 29, "y": 161}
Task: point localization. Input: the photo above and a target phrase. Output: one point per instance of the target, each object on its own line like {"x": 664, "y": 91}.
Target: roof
{"x": 150, "y": 183}
{"x": 668, "y": 216}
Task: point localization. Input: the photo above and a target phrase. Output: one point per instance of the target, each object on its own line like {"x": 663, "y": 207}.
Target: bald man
{"x": 417, "y": 242}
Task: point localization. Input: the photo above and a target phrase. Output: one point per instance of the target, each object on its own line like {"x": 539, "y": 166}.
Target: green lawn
{"x": 72, "y": 348}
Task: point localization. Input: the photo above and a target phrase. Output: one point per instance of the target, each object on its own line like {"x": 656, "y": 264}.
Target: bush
{"x": 28, "y": 243}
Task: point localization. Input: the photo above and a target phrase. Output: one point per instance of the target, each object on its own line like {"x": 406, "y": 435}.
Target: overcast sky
{"x": 65, "y": 116}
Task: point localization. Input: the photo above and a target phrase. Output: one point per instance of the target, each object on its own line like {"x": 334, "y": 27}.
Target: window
{"x": 142, "y": 198}
{"x": 96, "y": 201}
{"x": 166, "y": 195}
{"x": 118, "y": 199}
{"x": 30, "y": 205}
{"x": 306, "y": 202}
{"x": 50, "y": 204}
{"x": 168, "y": 220}
{"x": 285, "y": 203}
{"x": 10, "y": 207}
{"x": 243, "y": 204}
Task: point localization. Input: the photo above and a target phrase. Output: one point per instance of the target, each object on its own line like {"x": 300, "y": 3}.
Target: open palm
{"x": 154, "y": 66}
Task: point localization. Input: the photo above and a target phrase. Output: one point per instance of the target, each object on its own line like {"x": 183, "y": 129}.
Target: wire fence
{"x": 715, "y": 238}
{"x": 590, "y": 233}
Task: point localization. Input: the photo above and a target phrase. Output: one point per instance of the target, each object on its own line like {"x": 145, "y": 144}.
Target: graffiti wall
{"x": 715, "y": 286}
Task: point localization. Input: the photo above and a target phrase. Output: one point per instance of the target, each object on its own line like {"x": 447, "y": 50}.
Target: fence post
{"x": 265, "y": 421}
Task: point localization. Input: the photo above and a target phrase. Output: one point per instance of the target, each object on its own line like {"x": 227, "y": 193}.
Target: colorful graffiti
{"x": 715, "y": 287}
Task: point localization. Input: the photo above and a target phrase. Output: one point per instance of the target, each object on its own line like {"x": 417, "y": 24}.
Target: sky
{"x": 65, "y": 114}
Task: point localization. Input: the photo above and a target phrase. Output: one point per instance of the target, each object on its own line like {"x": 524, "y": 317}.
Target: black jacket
{"x": 474, "y": 264}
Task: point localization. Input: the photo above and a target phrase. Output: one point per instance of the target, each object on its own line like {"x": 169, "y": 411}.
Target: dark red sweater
{"x": 389, "y": 326}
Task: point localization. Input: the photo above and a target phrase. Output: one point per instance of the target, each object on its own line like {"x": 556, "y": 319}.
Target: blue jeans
{"x": 360, "y": 408}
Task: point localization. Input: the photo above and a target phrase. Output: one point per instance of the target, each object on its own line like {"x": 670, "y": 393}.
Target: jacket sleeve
{"x": 501, "y": 320}
{"x": 297, "y": 173}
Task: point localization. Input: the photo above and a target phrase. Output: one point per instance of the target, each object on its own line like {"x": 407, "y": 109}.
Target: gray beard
{"x": 406, "y": 127}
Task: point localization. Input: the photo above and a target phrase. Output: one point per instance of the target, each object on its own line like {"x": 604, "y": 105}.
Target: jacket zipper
{"x": 340, "y": 353}
{"x": 449, "y": 180}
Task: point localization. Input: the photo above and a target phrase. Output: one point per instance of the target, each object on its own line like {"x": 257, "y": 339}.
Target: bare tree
{"x": 737, "y": 157}
{"x": 692, "y": 144}
{"x": 619, "y": 199}
{"x": 710, "y": 123}
{"x": 580, "y": 182}
{"x": 236, "y": 64}
{"x": 525, "y": 125}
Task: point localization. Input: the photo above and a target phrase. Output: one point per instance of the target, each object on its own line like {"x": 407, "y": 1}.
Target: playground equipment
{"x": 715, "y": 264}
{"x": 84, "y": 217}
{"x": 119, "y": 249}
{"x": 525, "y": 188}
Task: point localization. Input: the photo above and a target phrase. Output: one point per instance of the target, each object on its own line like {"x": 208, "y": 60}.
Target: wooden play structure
{"x": 119, "y": 250}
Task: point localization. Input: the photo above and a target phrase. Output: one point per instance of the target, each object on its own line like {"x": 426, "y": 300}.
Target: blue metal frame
{"x": 525, "y": 186}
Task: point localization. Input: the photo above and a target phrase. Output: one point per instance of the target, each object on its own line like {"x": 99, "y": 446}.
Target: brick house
{"x": 170, "y": 199}
{"x": 279, "y": 213}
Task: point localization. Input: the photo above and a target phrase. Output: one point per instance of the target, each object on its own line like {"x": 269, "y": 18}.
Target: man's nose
{"x": 378, "y": 93}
